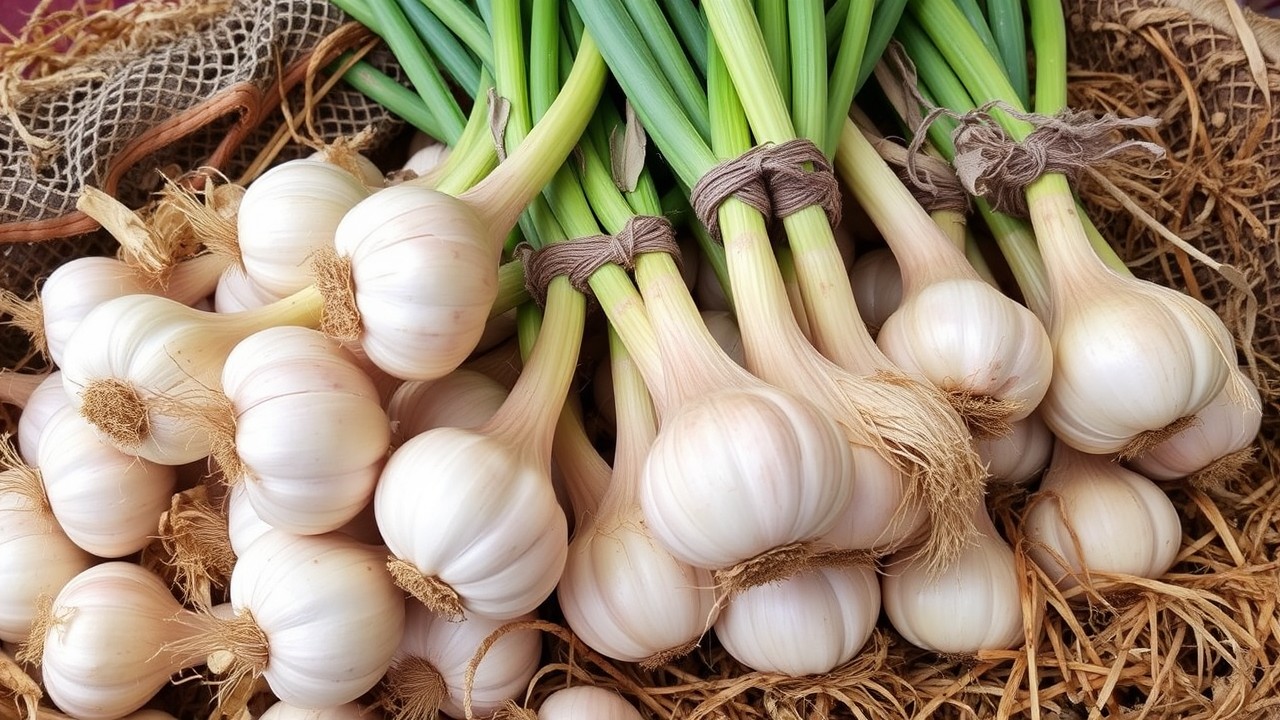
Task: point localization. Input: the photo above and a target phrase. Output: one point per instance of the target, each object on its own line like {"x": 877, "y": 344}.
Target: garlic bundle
{"x": 44, "y": 401}
{"x": 134, "y": 355}
{"x": 621, "y": 592}
{"x": 36, "y": 556}
{"x": 79, "y": 285}
{"x": 105, "y": 646}
{"x": 971, "y": 606}
{"x": 1093, "y": 515}
{"x": 429, "y": 672}
{"x": 584, "y": 702}
{"x": 877, "y": 287}
{"x": 1216, "y": 445}
{"x": 289, "y": 213}
{"x": 1019, "y": 456}
{"x": 808, "y": 624}
{"x": 316, "y": 616}
{"x": 309, "y": 430}
{"x": 107, "y": 502}
{"x": 463, "y": 398}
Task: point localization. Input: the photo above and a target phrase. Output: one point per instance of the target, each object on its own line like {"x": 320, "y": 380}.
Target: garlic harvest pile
{"x": 396, "y": 440}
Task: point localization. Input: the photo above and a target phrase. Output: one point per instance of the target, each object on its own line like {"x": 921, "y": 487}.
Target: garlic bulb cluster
{"x": 429, "y": 672}
{"x": 1093, "y": 515}
{"x": 806, "y": 624}
{"x": 309, "y": 430}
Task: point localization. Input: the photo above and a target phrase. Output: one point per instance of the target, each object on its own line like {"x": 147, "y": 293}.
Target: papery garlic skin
{"x": 46, "y": 400}
{"x": 1226, "y": 425}
{"x": 107, "y": 502}
{"x": 808, "y": 624}
{"x": 1132, "y": 357}
{"x": 346, "y": 711}
{"x": 467, "y": 509}
{"x": 106, "y": 651}
{"x": 309, "y": 429}
{"x": 627, "y": 598}
{"x": 463, "y": 398}
{"x": 877, "y": 286}
{"x": 330, "y": 613}
{"x": 586, "y": 703}
{"x": 503, "y": 674}
{"x": 36, "y": 558}
{"x": 1019, "y": 456}
{"x": 966, "y": 336}
{"x": 972, "y": 605}
{"x": 289, "y": 213}
{"x": 739, "y": 472}
{"x": 425, "y": 270}
{"x": 1098, "y": 516}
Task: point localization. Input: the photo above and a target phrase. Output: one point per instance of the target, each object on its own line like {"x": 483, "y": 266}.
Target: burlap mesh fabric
{"x": 1183, "y": 61}
{"x": 204, "y": 94}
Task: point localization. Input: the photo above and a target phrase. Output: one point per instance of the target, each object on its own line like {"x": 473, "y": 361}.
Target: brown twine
{"x": 935, "y": 185}
{"x": 579, "y": 258}
{"x": 992, "y": 165}
{"x": 771, "y": 179}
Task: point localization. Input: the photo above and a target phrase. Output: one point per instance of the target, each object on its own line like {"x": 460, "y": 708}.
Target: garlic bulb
{"x": 622, "y": 593}
{"x": 107, "y": 502}
{"x": 1093, "y": 515}
{"x": 36, "y": 557}
{"x": 79, "y": 285}
{"x": 46, "y": 400}
{"x": 285, "y": 711}
{"x": 586, "y": 703}
{"x": 133, "y": 355}
{"x": 289, "y": 213}
{"x": 323, "y": 616}
{"x": 244, "y": 526}
{"x": 309, "y": 430}
{"x": 429, "y": 672}
{"x": 877, "y": 286}
{"x": 108, "y": 638}
{"x": 1019, "y": 456}
{"x": 463, "y": 398}
{"x": 970, "y": 339}
{"x": 808, "y": 624}
{"x": 426, "y": 158}
{"x": 416, "y": 251}
{"x": 1215, "y": 445}
{"x": 346, "y": 156}
{"x": 237, "y": 292}
{"x": 973, "y": 605}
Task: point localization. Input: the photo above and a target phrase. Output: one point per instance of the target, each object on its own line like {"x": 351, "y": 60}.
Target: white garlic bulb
{"x": 877, "y": 286}
{"x": 287, "y": 214}
{"x": 808, "y": 624}
{"x": 237, "y": 292}
{"x": 1225, "y": 426}
{"x": 1019, "y": 456}
{"x": 429, "y": 672}
{"x": 346, "y": 711}
{"x": 46, "y": 400}
{"x": 463, "y": 398}
{"x": 310, "y": 432}
{"x": 107, "y": 502}
{"x": 586, "y": 703}
{"x": 1093, "y": 515}
{"x": 973, "y": 605}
